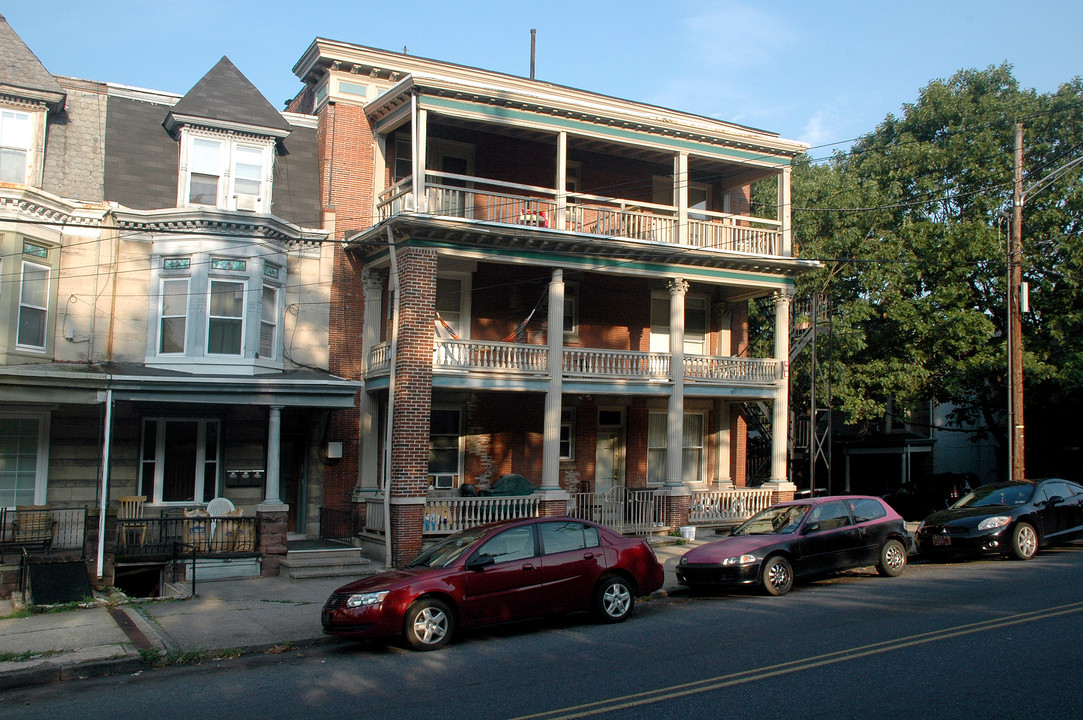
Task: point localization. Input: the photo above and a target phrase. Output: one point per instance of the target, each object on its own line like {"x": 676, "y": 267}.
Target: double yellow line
{"x": 635, "y": 700}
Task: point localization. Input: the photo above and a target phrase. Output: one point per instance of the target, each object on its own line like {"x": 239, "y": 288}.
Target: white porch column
{"x": 562, "y": 181}
{"x": 724, "y": 433}
{"x": 368, "y": 433}
{"x": 419, "y": 140}
{"x": 273, "y": 493}
{"x": 680, "y": 196}
{"x": 784, "y": 211}
{"x": 678, "y": 288}
{"x": 781, "y": 411}
{"x": 551, "y": 436}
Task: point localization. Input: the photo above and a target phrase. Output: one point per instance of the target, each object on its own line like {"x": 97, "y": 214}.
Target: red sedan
{"x": 514, "y": 570}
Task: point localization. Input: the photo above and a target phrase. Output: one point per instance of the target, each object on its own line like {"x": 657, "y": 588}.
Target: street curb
{"x": 48, "y": 673}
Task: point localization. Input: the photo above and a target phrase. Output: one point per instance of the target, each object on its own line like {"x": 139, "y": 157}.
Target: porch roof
{"x": 569, "y": 249}
{"x": 69, "y": 383}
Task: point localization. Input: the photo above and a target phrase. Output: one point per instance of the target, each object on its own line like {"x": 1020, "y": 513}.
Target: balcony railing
{"x": 465, "y": 196}
{"x": 41, "y": 528}
{"x": 579, "y": 363}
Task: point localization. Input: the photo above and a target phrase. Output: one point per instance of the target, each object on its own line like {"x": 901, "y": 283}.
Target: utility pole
{"x": 1015, "y": 320}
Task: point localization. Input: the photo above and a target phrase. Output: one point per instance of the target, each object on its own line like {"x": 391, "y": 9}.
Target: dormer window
{"x": 226, "y": 172}
{"x": 16, "y": 132}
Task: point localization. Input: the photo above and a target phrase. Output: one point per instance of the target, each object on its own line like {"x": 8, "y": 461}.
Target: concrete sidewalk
{"x": 230, "y": 616}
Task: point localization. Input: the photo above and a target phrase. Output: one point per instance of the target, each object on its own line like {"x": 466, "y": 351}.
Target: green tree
{"x": 910, "y": 229}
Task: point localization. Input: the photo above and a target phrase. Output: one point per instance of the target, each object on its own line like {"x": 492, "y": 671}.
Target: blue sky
{"x": 819, "y": 72}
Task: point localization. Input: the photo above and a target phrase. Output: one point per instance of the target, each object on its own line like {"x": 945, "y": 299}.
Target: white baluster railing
{"x": 449, "y": 515}
{"x": 710, "y": 507}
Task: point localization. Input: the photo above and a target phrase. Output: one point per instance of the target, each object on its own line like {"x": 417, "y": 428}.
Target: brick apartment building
{"x": 540, "y": 281}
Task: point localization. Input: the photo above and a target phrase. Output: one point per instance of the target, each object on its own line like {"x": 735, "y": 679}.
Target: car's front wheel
{"x": 777, "y": 575}
{"x": 429, "y": 624}
{"x": 892, "y": 559}
{"x": 1024, "y": 541}
{"x": 613, "y": 599}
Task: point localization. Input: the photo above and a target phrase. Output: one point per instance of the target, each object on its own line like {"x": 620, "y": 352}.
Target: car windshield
{"x": 781, "y": 520}
{"x": 996, "y": 495}
{"x": 447, "y": 550}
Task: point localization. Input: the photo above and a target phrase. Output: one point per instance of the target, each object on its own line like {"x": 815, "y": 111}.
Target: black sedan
{"x": 1013, "y": 518}
{"x": 804, "y": 537}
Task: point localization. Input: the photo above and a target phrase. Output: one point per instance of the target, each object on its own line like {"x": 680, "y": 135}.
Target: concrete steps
{"x": 337, "y": 562}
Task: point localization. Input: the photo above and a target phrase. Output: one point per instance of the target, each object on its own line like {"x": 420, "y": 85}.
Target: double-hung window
{"x": 268, "y": 327}
{"x": 33, "y": 305}
{"x": 174, "y": 318}
{"x": 204, "y": 171}
{"x": 23, "y": 459}
{"x": 445, "y": 458}
{"x": 695, "y": 324}
{"x": 247, "y": 177}
{"x": 225, "y": 318}
{"x": 692, "y": 448}
{"x": 16, "y": 131}
{"x": 180, "y": 459}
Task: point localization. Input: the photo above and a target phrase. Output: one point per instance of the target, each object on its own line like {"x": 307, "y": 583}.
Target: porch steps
{"x": 325, "y": 562}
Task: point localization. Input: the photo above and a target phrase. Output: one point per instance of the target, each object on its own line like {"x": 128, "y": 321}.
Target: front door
{"x": 607, "y": 462}
{"x": 292, "y": 481}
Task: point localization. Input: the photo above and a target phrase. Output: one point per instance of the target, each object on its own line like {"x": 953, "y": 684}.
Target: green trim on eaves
{"x": 601, "y": 264}
{"x": 621, "y": 134}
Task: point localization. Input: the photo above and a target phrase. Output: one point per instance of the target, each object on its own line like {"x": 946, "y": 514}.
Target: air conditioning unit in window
{"x": 247, "y": 203}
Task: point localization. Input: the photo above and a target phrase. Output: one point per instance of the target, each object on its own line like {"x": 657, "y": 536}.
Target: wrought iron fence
{"x": 202, "y": 535}
{"x": 41, "y": 528}
{"x": 337, "y": 524}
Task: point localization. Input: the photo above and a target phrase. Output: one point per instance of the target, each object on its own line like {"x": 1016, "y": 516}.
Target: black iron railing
{"x": 39, "y": 528}
{"x": 188, "y": 536}
{"x": 337, "y": 524}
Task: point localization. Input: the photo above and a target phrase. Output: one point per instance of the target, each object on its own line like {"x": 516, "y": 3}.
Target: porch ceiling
{"x": 466, "y": 234}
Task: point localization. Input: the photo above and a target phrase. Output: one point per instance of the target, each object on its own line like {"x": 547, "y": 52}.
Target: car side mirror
{"x": 1055, "y": 500}
{"x": 810, "y": 528}
{"x": 480, "y": 562}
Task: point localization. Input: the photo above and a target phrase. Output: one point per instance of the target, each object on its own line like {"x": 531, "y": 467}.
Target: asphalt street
{"x": 980, "y": 639}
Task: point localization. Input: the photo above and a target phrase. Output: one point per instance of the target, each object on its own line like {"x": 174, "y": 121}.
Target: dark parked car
{"x": 804, "y": 537}
{"x": 916, "y": 500}
{"x": 1014, "y": 518}
{"x": 514, "y": 570}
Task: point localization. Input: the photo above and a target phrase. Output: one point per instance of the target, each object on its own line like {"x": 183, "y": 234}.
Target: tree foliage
{"x": 910, "y": 229}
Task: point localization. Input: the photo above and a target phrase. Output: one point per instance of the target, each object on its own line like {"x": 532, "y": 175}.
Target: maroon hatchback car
{"x": 804, "y": 537}
{"x": 514, "y": 570}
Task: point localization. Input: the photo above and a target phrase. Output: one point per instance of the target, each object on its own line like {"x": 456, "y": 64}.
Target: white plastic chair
{"x": 219, "y": 506}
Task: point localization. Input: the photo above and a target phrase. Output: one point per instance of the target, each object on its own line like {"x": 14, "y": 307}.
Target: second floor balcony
{"x": 499, "y": 359}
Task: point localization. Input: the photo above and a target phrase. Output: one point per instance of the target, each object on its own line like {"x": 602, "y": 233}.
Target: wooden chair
{"x": 33, "y": 525}
{"x": 134, "y": 527}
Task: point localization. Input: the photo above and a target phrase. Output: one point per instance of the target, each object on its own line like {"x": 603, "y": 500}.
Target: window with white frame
{"x": 695, "y": 324}
{"x": 403, "y": 164}
{"x": 567, "y": 434}
{"x": 445, "y": 456}
{"x": 571, "y": 309}
{"x": 23, "y": 459}
{"x": 179, "y": 460}
{"x": 268, "y": 326}
{"x": 33, "y": 305}
{"x": 226, "y": 172}
{"x": 692, "y": 448}
{"x": 173, "y": 325}
{"x": 225, "y": 318}
{"x": 16, "y": 133}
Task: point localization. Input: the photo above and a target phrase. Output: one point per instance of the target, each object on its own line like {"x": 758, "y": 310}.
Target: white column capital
{"x": 677, "y": 286}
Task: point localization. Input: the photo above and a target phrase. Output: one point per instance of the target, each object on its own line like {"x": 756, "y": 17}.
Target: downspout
{"x": 393, "y": 342}
{"x": 107, "y": 443}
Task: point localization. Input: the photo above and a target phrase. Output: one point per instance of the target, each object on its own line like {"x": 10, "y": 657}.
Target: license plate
{"x": 941, "y": 540}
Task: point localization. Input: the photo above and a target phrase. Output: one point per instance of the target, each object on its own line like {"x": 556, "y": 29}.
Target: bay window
{"x": 33, "y": 306}
{"x": 225, "y": 318}
{"x": 174, "y": 317}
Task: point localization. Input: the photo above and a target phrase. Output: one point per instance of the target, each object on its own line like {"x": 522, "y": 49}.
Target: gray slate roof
{"x": 225, "y": 96}
{"x": 22, "y": 74}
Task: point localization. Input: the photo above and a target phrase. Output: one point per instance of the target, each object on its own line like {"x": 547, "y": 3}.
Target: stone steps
{"x": 344, "y": 562}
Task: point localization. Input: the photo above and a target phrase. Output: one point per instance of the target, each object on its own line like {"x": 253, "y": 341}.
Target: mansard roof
{"x": 225, "y": 99}
{"x": 21, "y": 73}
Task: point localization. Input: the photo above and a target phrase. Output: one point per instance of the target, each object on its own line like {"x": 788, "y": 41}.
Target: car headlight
{"x": 366, "y": 599}
{"x": 682, "y": 561}
{"x": 994, "y": 522}
{"x": 740, "y": 560}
